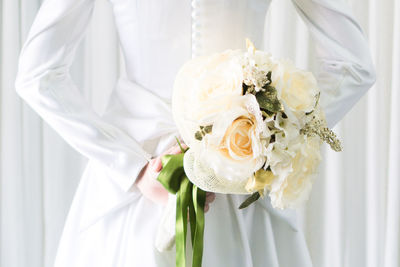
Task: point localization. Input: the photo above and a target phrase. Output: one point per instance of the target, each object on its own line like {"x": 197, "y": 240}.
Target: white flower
{"x": 292, "y": 185}
{"x": 200, "y": 87}
{"x": 220, "y": 75}
{"x": 297, "y": 88}
{"x": 256, "y": 65}
{"x": 235, "y": 148}
{"x": 229, "y": 140}
{"x": 264, "y": 61}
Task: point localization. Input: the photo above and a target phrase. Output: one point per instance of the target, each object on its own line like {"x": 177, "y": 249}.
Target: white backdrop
{"x": 353, "y": 216}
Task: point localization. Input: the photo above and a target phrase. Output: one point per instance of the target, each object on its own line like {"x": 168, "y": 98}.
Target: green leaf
{"x": 208, "y": 129}
{"x": 268, "y": 99}
{"x": 266, "y": 113}
{"x": 198, "y": 135}
{"x": 203, "y": 131}
{"x": 244, "y": 88}
{"x": 253, "y": 198}
{"x": 269, "y": 74}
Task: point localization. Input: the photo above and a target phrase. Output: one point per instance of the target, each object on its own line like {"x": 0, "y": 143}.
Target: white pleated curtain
{"x": 353, "y": 216}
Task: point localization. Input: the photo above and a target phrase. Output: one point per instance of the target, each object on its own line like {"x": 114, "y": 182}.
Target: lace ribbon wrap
{"x": 205, "y": 178}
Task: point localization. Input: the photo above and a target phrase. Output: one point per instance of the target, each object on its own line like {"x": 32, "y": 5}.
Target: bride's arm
{"x": 44, "y": 82}
{"x": 345, "y": 70}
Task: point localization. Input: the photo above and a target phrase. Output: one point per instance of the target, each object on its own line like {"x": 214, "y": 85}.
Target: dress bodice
{"x": 158, "y": 36}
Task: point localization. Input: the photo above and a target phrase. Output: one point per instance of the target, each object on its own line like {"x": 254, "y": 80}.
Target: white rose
{"x": 292, "y": 187}
{"x": 297, "y": 88}
{"x": 201, "y": 85}
{"x": 221, "y": 75}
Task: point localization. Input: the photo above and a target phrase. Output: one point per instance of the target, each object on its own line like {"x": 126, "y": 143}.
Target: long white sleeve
{"x": 346, "y": 70}
{"x": 44, "y": 82}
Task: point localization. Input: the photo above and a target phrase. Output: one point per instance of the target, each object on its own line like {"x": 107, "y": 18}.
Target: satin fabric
{"x": 110, "y": 223}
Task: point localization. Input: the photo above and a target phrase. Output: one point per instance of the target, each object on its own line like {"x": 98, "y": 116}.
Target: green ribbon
{"x": 190, "y": 201}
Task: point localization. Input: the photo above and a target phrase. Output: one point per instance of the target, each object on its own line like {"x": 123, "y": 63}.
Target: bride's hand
{"x": 152, "y": 189}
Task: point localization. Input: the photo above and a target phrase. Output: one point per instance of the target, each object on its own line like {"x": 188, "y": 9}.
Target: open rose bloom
{"x": 253, "y": 125}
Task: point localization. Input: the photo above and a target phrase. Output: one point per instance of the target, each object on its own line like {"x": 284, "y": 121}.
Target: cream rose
{"x": 237, "y": 141}
{"x": 235, "y": 148}
{"x": 297, "y": 88}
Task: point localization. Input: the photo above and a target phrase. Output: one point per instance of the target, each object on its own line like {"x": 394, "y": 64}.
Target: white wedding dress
{"x": 110, "y": 223}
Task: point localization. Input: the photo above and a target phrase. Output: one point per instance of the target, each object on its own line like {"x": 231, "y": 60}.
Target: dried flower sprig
{"x": 318, "y": 127}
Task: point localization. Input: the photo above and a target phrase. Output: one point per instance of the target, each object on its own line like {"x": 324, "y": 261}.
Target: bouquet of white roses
{"x": 253, "y": 125}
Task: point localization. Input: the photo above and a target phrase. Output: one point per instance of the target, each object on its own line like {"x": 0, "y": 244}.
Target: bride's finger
{"x": 156, "y": 164}
{"x": 210, "y": 197}
{"x": 206, "y": 207}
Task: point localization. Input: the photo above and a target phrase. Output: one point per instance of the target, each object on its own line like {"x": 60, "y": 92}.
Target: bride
{"x": 118, "y": 205}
